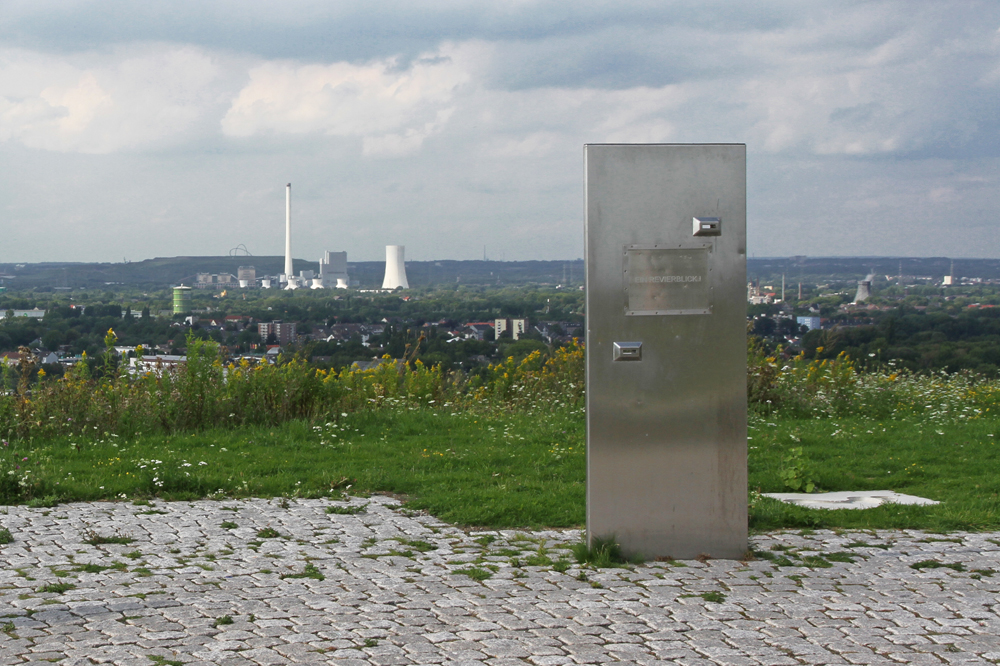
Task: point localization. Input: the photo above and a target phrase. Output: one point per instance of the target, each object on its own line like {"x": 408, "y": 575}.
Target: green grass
{"x": 934, "y": 564}
{"x": 951, "y": 462}
{"x": 56, "y": 588}
{"x": 310, "y": 571}
{"x": 346, "y": 510}
{"x": 418, "y": 545}
{"x": 475, "y": 573}
{"x": 95, "y": 539}
{"x": 471, "y": 469}
{"x": 6, "y": 536}
{"x": 714, "y": 597}
{"x": 601, "y": 553}
{"x": 163, "y": 661}
{"x": 522, "y": 470}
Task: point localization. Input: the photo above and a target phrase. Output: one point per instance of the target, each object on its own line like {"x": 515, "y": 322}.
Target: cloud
{"x": 139, "y": 98}
{"x": 866, "y": 79}
{"x": 464, "y": 120}
{"x": 392, "y": 109}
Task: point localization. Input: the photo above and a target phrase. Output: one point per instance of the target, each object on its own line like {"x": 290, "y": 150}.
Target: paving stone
{"x": 392, "y": 610}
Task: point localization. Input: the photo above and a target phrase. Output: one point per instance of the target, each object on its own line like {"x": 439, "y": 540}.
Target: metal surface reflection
{"x": 666, "y": 431}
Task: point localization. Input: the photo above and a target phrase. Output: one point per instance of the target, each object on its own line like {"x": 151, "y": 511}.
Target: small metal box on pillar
{"x": 666, "y": 348}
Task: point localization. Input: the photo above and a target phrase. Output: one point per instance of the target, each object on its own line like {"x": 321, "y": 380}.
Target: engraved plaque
{"x": 660, "y": 281}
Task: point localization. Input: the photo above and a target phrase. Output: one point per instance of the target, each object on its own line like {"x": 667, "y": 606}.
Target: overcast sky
{"x": 130, "y": 130}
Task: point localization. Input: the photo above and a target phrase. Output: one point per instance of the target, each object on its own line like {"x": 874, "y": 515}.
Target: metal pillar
{"x": 666, "y": 348}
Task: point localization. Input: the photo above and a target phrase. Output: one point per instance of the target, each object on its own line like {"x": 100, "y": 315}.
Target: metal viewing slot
{"x": 707, "y": 226}
{"x": 627, "y": 351}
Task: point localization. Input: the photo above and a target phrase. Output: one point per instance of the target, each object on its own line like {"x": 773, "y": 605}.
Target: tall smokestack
{"x": 289, "y": 270}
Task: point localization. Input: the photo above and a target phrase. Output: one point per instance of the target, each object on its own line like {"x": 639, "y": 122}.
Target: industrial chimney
{"x": 395, "y": 268}
{"x": 289, "y": 270}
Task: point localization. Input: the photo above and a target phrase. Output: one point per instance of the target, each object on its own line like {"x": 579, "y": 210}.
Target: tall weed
{"x": 811, "y": 388}
{"x": 206, "y": 392}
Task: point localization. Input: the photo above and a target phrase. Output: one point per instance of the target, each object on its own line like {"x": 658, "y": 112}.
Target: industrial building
{"x": 332, "y": 272}
{"x": 217, "y": 280}
{"x": 182, "y": 300}
{"x": 30, "y": 314}
{"x": 247, "y": 276}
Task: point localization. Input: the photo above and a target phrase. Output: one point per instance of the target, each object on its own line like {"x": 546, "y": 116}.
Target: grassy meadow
{"x": 502, "y": 450}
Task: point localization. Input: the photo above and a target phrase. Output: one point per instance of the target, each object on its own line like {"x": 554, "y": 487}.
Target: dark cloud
{"x": 328, "y": 31}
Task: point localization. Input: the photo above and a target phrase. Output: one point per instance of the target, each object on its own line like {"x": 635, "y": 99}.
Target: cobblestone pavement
{"x": 365, "y": 581}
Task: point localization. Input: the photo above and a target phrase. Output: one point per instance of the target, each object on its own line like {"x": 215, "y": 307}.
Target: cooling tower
{"x": 864, "y": 289}
{"x": 395, "y": 268}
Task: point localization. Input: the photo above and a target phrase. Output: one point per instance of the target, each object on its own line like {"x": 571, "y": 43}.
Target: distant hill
{"x": 164, "y": 271}
{"x": 819, "y": 269}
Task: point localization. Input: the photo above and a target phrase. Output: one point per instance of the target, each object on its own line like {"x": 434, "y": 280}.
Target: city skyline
{"x": 128, "y": 132}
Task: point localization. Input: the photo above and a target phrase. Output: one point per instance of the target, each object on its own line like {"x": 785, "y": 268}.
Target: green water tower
{"x": 182, "y": 300}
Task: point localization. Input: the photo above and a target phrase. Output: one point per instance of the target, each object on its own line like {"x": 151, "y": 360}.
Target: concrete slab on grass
{"x": 860, "y": 499}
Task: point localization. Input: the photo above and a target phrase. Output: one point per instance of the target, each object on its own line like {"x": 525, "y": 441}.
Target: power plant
{"x": 395, "y": 268}
{"x": 332, "y": 271}
{"x": 332, "y": 266}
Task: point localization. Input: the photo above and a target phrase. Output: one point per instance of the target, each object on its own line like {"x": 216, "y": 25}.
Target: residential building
{"x": 515, "y": 326}
{"x": 284, "y": 332}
